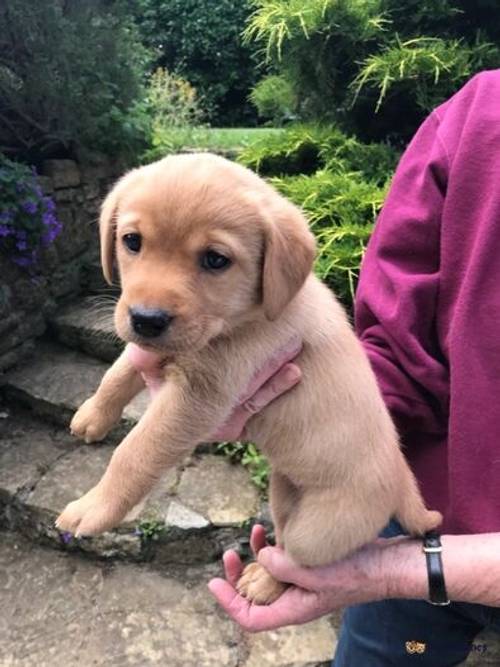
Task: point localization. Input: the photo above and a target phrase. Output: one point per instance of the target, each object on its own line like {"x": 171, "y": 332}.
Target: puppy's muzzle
{"x": 149, "y": 322}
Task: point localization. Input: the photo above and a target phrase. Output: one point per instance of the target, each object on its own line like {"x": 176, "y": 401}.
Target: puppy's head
{"x": 202, "y": 246}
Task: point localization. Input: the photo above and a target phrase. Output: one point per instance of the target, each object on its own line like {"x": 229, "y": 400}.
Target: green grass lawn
{"x": 228, "y": 137}
{"x": 215, "y": 139}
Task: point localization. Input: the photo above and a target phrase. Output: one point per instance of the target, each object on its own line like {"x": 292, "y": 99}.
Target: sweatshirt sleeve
{"x": 395, "y": 308}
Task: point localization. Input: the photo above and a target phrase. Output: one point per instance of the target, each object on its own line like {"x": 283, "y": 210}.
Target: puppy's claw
{"x": 258, "y": 586}
{"x": 92, "y": 423}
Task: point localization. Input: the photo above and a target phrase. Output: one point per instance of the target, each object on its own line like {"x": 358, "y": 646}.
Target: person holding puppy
{"x": 428, "y": 314}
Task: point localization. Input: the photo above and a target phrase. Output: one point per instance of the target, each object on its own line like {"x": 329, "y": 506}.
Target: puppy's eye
{"x": 132, "y": 242}
{"x": 214, "y": 261}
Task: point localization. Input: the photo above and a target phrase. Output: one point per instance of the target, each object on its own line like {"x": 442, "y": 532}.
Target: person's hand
{"x": 312, "y": 593}
{"x": 269, "y": 382}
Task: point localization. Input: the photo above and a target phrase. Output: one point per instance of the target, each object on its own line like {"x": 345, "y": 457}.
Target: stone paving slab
{"x": 196, "y": 511}
{"x": 57, "y": 380}
{"x": 66, "y": 611}
{"x": 88, "y": 326}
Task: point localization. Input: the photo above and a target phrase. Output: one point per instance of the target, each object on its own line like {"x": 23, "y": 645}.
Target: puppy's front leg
{"x": 98, "y": 414}
{"x": 175, "y": 422}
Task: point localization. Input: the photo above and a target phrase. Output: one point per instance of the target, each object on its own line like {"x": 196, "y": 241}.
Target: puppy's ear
{"x": 288, "y": 256}
{"x": 107, "y": 227}
{"x": 107, "y": 223}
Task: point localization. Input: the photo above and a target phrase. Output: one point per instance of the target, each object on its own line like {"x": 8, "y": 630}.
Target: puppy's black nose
{"x": 149, "y": 322}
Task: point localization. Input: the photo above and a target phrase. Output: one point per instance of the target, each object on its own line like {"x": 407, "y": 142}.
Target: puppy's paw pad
{"x": 258, "y": 586}
{"x": 90, "y": 423}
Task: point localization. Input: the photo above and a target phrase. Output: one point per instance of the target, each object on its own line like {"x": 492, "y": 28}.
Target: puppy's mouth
{"x": 159, "y": 332}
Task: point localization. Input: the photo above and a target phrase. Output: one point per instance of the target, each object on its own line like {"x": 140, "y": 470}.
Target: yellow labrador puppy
{"x": 215, "y": 268}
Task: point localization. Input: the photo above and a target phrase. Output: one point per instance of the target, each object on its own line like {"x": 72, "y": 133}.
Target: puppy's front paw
{"x": 258, "y": 586}
{"x": 91, "y": 514}
{"x": 92, "y": 423}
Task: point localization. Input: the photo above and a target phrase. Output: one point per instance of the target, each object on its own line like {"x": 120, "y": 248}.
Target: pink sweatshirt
{"x": 428, "y": 306}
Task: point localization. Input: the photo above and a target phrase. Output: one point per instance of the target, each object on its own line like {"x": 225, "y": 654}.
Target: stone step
{"x": 198, "y": 509}
{"x": 65, "y": 611}
{"x": 56, "y": 381}
{"x": 88, "y": 326}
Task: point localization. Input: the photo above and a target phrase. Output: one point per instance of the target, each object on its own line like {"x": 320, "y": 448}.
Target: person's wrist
{"x": 404, "y": 570}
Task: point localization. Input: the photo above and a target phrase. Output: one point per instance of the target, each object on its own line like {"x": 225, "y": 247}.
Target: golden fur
{"x": 338, "y": 473}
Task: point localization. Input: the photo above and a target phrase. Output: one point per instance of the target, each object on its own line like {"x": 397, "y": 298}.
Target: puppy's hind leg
{"x": 328, "y": 525}
{"x": 255, "y": 583}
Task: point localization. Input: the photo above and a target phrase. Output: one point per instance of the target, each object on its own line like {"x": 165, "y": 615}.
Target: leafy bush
{"x": 303, "y": 149}
{"x": 274, "y": 99}
{"x": 341, "y": 208}
{"x": 174, "y": 111}
{"x": 295, "y": 151}
{"x": 70, "y": 79}
{"x": 375, "y": 66}
{"x": 340, "y": 184}
{"x": 27, "y": 219}
{"x": 200, "y": 40}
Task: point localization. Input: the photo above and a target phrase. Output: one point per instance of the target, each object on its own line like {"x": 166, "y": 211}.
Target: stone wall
{"x": 67, "y": 267}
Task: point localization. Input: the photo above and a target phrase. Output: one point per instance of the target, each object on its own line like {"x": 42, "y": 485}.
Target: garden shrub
{"x": 376, "y": 67}
{"x": 70, "y": 79}
{"x": 341, "y": 207}
{"x": 174, "y": 111}
{"x": 274, "y": 99}
{"x": 200, "y": 40}
{"x": 340, "y": 187}
{"x": 27, "y": 217}
{"x": 294, "y": 151}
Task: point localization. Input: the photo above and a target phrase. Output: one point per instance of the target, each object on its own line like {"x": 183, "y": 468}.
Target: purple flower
{"x": 49, "y": 204}
{"x": 66, "y": 537}
{"x": 4, "y": 230}
{"x": 6, "y": 216}
{"x": 21, "y": 245}
{"x": 22, "y": 261}
{"x": 49, "y": 219}
{"x": 29, "y": 206}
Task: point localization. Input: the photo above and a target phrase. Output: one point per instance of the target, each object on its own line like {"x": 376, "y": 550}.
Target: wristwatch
{"x": 433, "y": 548}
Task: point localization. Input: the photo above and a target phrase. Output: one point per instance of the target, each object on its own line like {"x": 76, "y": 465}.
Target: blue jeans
{"x": 380, "y": 634}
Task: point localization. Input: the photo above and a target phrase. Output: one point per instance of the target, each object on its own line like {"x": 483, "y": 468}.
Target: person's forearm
{"x": 471, "y": 566}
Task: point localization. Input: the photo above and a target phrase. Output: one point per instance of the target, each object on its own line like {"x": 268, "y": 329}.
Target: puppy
{"x": 216, "y": 275}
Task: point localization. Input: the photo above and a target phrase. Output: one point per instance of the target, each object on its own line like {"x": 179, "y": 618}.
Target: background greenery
{"x": 71, "y": 79}
{"x": 200, "y": 40}
{"x": 377, "y": 67}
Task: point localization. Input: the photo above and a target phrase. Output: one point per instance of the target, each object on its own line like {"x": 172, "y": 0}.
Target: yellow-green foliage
{"x": 375, "y": 67}
{"x": 341, "y": 207}
{"x": 175, "y": 110}
{"x": 339, "y": 182}
{"x": 426, "y": 59}
{"x": 275, "y": 22}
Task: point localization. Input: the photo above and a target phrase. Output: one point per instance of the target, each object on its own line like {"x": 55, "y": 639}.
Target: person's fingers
{"x": 295, "y": 606}
{"x": 282, "y": 356}
{"x": 281, "y": 566}
{"x": 233, "y": 567}
{"x": 258, "y": 539}
{"x": 283, "y": 380}
{"x": 232, "y": 429}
